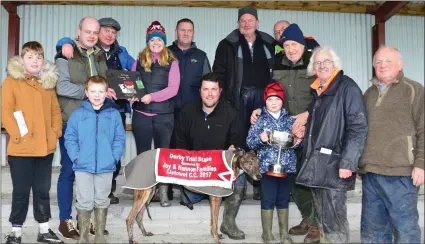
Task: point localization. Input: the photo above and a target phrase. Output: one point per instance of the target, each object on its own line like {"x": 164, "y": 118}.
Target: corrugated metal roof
{"x": 348, "y": 34}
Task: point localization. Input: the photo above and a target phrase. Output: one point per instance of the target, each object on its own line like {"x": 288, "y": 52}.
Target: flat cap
{"x": 110, "y": 22}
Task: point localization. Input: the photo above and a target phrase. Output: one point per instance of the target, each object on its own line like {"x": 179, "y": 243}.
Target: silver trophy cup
{"x": 280, "y": 140}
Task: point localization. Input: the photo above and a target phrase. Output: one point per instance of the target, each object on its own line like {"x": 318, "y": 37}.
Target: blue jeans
{"x": 275, "y": 191}
{"x": 389, "y": 208}
{"x": 197, "y": 197}
{"x": 65, "y": 181}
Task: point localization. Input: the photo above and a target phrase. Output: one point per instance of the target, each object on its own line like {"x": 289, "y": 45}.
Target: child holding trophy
{"x": 271, "y": 137}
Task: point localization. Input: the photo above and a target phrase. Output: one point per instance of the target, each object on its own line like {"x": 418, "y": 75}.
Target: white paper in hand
{"x": 19, "y": 116}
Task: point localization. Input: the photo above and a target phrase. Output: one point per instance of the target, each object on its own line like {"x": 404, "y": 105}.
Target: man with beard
{"x": 117, "y": 58}
{"x": 212, "y": 124}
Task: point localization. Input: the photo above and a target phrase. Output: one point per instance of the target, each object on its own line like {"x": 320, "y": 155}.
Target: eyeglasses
{"x": 324, "y": 62}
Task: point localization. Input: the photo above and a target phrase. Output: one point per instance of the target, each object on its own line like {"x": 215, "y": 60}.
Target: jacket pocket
{"x": 280, "y": 75}
{"x": 51, "y": 139}
{"x": 410, "y": 149}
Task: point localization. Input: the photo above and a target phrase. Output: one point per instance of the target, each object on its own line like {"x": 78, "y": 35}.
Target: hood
{"x": 48, "y": 75}
{"x": 233, "y": 37}
{"x": 109, "y": 103}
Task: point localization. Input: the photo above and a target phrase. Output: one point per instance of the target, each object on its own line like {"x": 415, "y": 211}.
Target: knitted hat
{"x": 156, "y": 30}
{"x": 110, "y": 22}
{"x": 293, "y": 33}
{"x": 274, "y": 89}
{"x": 247, "y": 10}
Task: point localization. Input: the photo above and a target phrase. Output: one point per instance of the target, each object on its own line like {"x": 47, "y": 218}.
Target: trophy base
{"x": 280, "y": 175}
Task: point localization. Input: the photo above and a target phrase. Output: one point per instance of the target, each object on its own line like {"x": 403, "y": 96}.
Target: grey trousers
{"x": 92, "y": 190}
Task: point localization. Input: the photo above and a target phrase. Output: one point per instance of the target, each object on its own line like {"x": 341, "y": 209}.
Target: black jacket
{"x": 335, "y": 136}
{"x": 230, "y": 70}
{"x": 217, "y": 131}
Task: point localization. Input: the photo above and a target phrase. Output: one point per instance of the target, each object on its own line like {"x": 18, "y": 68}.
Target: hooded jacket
{"x": 36, "y": 97}
{"x": 228, "y": 64}
{"x": 95, "y": 140}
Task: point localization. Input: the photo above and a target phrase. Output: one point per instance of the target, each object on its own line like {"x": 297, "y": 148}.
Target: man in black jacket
{"x": 212, "y": 125}
{"x": 244, "y": 62}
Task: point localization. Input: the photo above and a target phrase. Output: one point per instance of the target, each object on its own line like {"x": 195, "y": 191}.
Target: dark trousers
{"x": 158, "y": 127}
{"x": 275, "y": 191}
{"x": 302, "y": 195}
{"x": 66, "y": 179}
{"x": 389, "y": 209}
{"x": 251, "y": 98}
{"x": 30, "y": 173}
{"x": 331, "y": 213}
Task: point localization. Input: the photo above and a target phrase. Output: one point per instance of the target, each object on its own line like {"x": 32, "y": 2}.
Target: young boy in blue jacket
{"x": 275, "y": 191}
{"x": 94, "y": 140}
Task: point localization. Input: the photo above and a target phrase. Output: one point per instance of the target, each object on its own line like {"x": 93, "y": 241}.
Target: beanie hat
{"x": 274, "y": 89}
{"x": 293, "y": 33}
{"x": 247, "y": 10}
{"x": 156, "y": 30}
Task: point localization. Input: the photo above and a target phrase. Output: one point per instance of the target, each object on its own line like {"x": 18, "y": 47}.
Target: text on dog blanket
{"x": 193, "y": 168}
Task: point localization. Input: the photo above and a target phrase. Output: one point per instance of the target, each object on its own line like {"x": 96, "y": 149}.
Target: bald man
{"x": 278, "y": 29}
{"x": 88, "y": 60}
{"x": 392, "y": 164}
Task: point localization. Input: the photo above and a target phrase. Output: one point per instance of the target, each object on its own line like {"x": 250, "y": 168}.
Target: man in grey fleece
{"x": 87, "y": 60}
{"x": 392, "y": 164}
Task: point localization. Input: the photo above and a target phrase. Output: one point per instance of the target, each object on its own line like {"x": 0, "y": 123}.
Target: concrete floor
{"x": 177, "y": 224}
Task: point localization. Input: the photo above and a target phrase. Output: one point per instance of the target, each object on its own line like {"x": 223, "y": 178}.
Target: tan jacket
{"x": 395, "y": 141}
{"x": 36, "y": 98}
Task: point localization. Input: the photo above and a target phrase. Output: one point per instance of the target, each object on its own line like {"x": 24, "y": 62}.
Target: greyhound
{"x": 239, "y": 160}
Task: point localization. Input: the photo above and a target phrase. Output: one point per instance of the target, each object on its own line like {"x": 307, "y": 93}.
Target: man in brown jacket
{"x": 392, "y": 164}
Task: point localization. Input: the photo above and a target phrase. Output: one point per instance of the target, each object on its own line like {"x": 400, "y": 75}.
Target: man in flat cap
{"x": 243, "y": 62}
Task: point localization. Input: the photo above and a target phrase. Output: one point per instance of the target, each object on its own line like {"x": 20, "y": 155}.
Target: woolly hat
{"x": 293, "y": 33}
{"x": 274, "y": 89}
{"x": 247, "y": 10}
{"x": 156, "y": 30}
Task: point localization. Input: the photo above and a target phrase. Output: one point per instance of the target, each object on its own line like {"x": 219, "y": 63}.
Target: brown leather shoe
{"x": 300, "y": 229}
{"x": 67, "y": 230}
{"x": 313, "y": 235}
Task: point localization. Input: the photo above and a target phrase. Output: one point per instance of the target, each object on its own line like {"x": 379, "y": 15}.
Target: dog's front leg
{"x": 215, "y": 203}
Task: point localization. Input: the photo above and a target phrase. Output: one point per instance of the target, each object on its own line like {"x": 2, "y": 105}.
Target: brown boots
{"x": 313, "y": 233}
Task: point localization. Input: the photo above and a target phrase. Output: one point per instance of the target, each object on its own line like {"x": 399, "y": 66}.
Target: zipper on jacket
{"x": 95, "y": 154}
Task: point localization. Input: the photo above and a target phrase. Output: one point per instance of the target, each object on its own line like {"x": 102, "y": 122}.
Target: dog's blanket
{"x": 139, "y": 174}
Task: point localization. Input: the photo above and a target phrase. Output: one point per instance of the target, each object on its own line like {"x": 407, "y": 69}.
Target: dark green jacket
{"x": 295, "y": 81}
{"x": 73, "y": 74}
